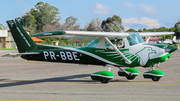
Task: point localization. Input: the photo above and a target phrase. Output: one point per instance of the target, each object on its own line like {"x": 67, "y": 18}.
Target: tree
{"x": 2, "y": 27}
{"x": 172, "y": 29}
{"x": 41, "y": 15}
{"x": 144, "y": 30}
{"x": 71, "y": 23}
{"x": 111, "y": 24}
{"x": 47, "y": 14}
{"x": 162, "y": 29}
{"x": 139, "y": 30}
{"x": 48, "y": 27}
{"x": 28, "y": 21}
{"x": 177, "y": 29}
{"x": 94, "y": 25}
{"x": 131, "y": 30}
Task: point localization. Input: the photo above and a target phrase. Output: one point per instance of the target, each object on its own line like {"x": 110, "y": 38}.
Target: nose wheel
{"x": 153, "y": 74}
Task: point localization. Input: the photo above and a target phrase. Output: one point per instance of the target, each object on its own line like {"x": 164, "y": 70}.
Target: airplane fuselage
{"x": 139, "y": 55}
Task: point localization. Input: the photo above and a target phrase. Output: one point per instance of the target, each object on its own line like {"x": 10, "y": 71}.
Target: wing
{"x": 148, "y": 34}
{"x": 81, "y": 35}
{"x": 91, "y": 35}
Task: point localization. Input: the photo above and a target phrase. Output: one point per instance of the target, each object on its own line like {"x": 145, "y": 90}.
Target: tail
{"x": 23, "y": 41}
{"x": 174, "y": 40}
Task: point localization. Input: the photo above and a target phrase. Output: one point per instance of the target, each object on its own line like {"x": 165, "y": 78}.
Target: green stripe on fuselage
{"x": 82, "y": 55}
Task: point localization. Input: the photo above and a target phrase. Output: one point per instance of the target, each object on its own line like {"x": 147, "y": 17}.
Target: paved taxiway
{"x": 34, "y": 80}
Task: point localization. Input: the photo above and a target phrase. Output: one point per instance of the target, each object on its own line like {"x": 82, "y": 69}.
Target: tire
{"x": 155, "y": 78}
{"x": 130, "y": 77}
{"x": 104, "y": 81}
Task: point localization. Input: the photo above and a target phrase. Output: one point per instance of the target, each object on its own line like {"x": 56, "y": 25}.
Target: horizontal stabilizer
{"x": 19, "y": 54}
{"x": 51, "y": 33}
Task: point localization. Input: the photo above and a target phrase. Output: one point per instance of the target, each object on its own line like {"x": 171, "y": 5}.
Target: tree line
{"x": 44, "y": 17}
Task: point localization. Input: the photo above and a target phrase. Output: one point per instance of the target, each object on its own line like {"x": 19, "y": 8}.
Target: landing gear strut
{"x": 129, "y": 73}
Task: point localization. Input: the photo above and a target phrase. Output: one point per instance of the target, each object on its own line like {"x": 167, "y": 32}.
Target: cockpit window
{"x": 134, "y": 39}
{"x": 93, "y": 43}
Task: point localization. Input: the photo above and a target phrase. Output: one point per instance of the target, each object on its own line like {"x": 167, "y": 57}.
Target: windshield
{"x": 134, "y": 39}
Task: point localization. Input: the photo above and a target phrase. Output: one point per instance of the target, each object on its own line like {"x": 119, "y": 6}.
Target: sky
{"x": 136, "y": 14}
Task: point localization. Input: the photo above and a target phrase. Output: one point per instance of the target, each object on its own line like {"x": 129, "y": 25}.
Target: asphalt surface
{"x": 34, "y": 80}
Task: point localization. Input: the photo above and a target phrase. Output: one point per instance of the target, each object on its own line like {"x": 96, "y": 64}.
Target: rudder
{"x": 23, "y": 41}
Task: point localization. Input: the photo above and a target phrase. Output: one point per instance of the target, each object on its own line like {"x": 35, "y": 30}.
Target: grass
{"x": 6, "y": 48}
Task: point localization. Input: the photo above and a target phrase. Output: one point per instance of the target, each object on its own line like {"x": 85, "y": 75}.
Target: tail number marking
{"x": 64, "y": 55}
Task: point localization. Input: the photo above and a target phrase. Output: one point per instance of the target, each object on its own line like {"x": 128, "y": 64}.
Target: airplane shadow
{"x": 9, "y": 83}
{"x": 3, "y": 79}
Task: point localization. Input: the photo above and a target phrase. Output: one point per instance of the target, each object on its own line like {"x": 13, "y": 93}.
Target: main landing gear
{"x": 103, "y": 76}
{"x": 130, "y": 73}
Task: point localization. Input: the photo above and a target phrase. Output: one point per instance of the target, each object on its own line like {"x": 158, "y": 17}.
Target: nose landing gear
{"x": 153, "y": 74}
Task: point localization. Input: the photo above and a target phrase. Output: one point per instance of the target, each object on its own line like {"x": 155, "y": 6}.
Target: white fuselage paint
{"x": 146, "y": 52}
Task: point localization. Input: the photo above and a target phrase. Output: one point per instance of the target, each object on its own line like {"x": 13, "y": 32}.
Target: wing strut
{"x": 117, "y": 50}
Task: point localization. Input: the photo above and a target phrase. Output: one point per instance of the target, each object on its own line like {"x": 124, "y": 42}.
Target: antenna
{"x": 118, "y": 26}
{"x": 111, "y": 28}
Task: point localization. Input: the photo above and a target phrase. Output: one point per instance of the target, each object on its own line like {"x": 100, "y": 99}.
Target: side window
{"x": 119, "y": 43}
{"x": 93, "y": 43}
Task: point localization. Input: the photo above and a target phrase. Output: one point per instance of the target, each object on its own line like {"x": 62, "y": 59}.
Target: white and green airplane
{"x": 112, "y": 49}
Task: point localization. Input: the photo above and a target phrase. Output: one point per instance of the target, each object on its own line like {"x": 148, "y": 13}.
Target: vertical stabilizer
{"x": 23, "y": 41}
{"x": 174, "y": 38}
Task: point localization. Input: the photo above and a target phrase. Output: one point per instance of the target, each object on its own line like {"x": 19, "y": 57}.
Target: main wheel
{"x": 130, "y": 77}
{"x": 104, "y": 81}
{"x": 155, "y": 78}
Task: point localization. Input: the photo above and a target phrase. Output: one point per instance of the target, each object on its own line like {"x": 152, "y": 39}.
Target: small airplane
{"x": 112, "y": 49}
{"x": 169, "y": 41}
